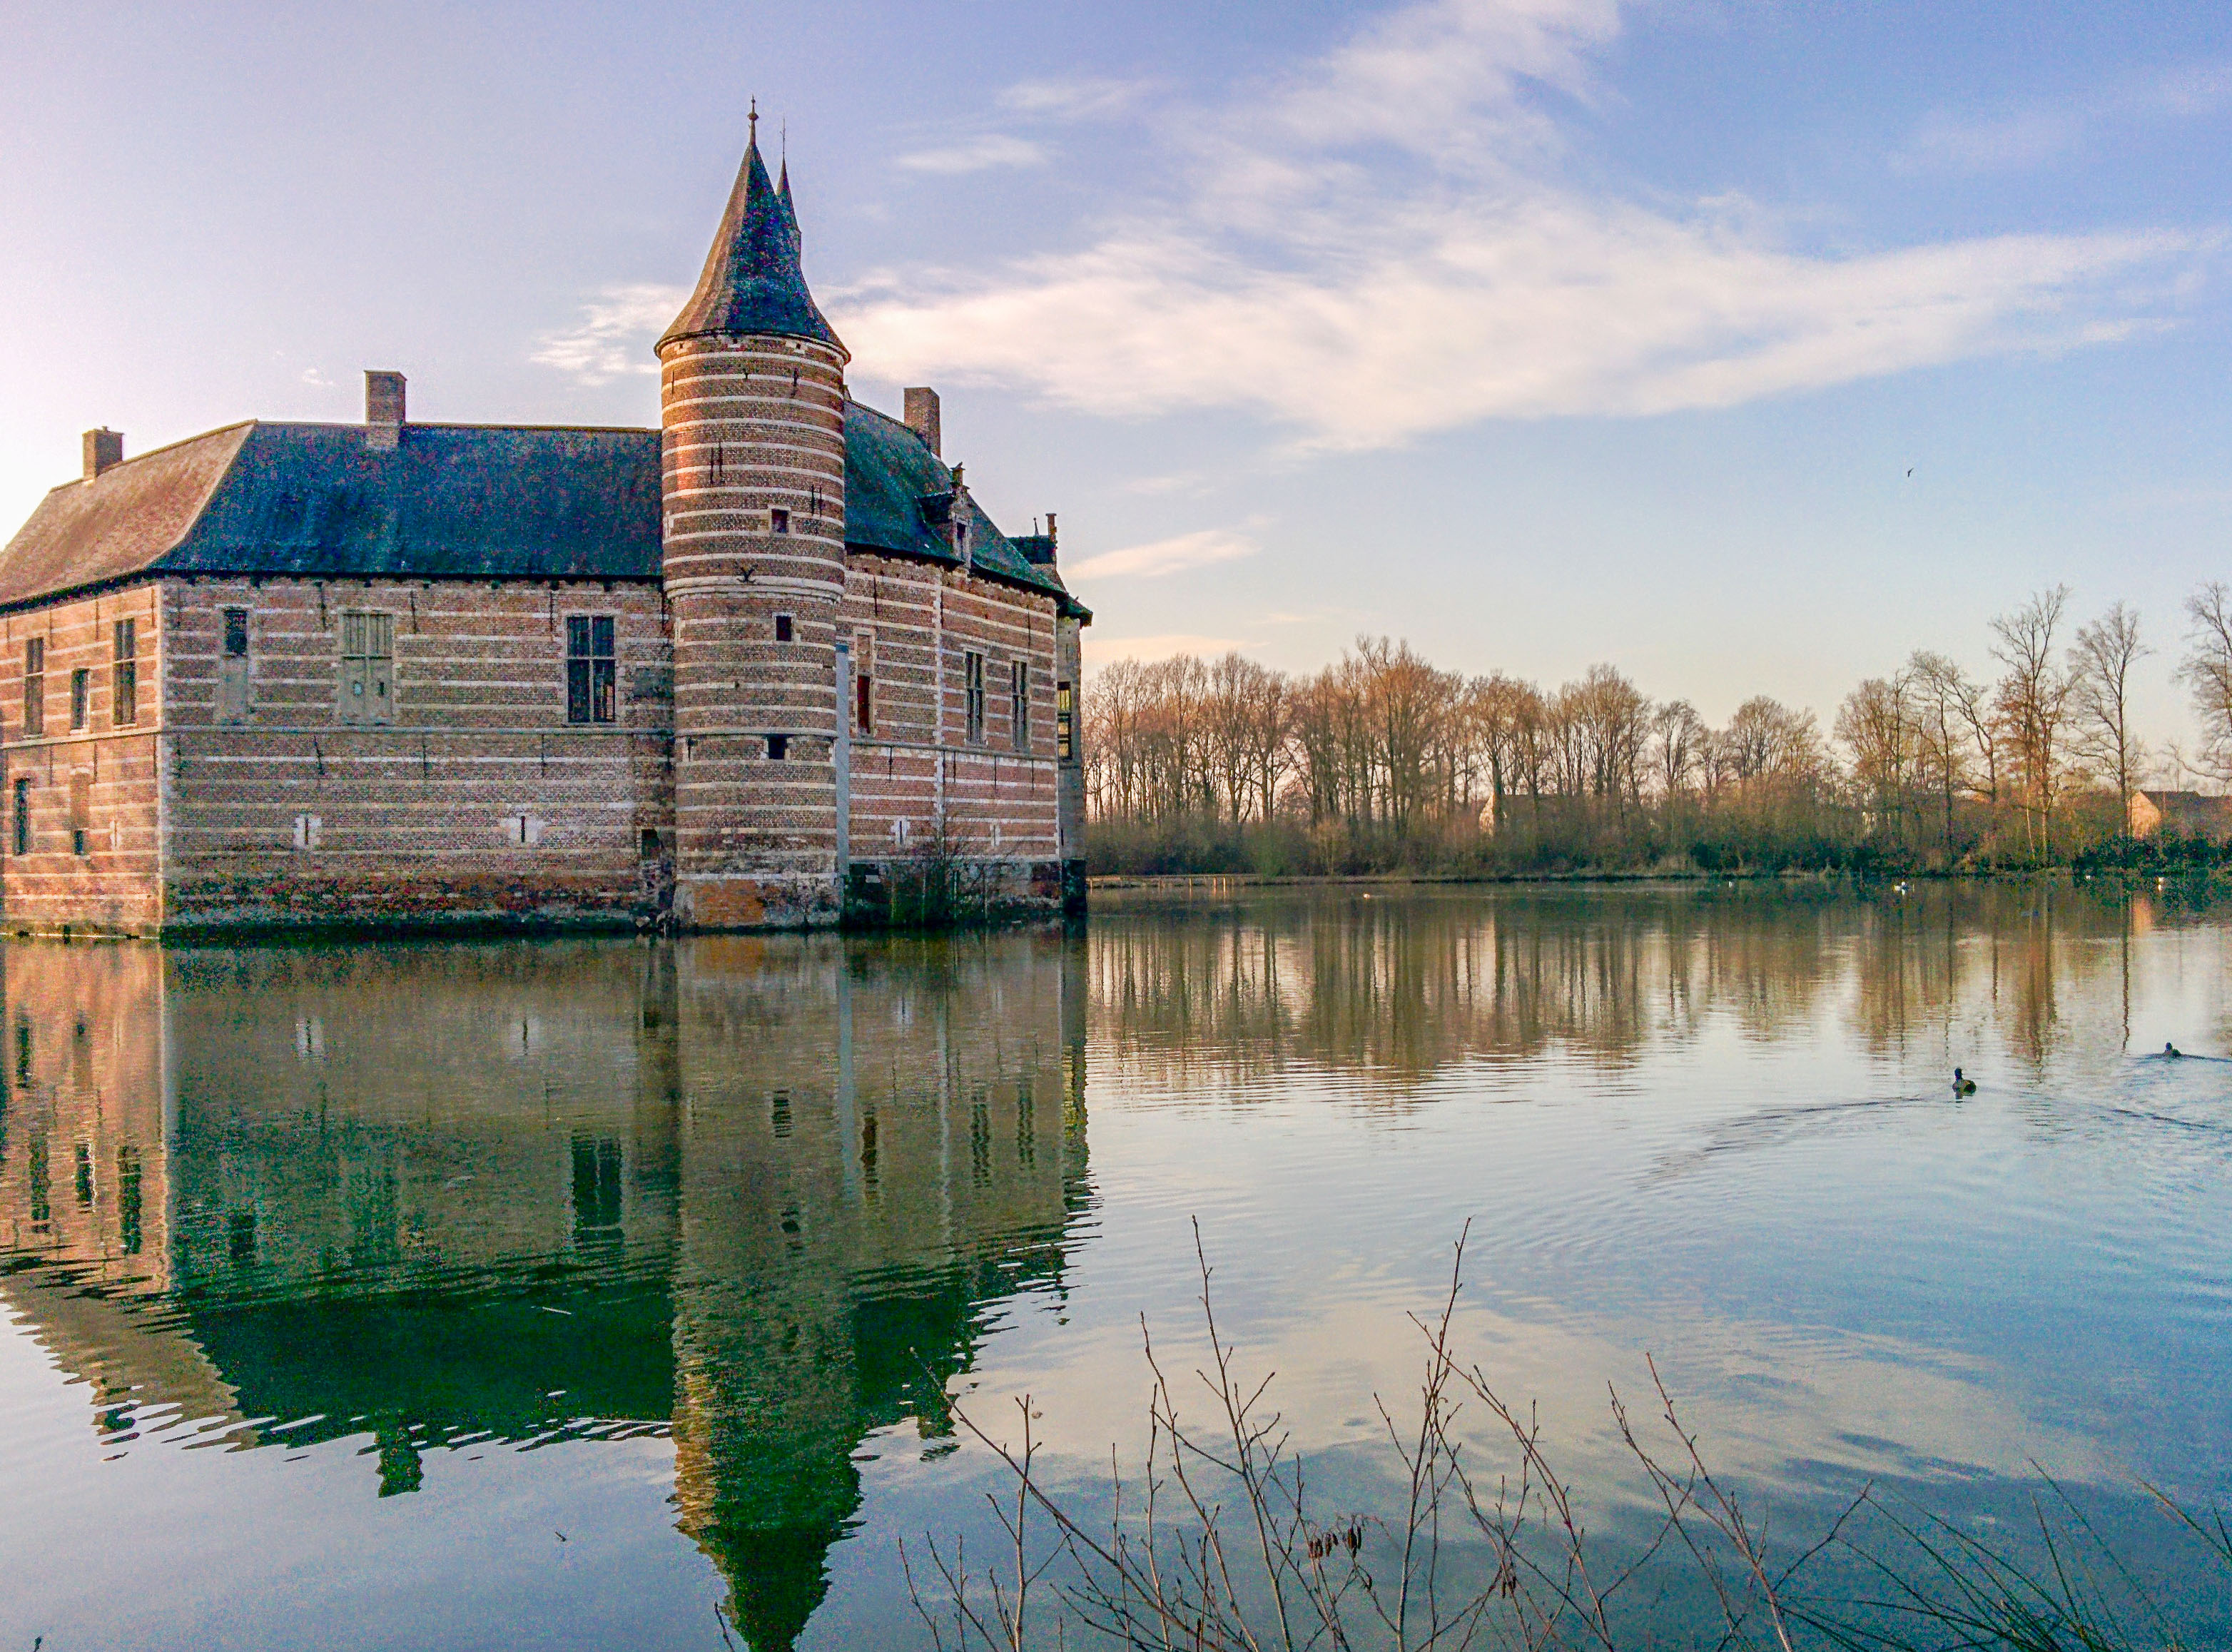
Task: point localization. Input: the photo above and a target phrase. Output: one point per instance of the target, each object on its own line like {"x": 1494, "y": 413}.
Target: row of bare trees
{"x": 1386, "y": 758}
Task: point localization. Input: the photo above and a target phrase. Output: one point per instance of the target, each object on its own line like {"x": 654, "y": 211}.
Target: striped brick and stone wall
{"x": 476, "y": 801}
{"x": 753, "y": 482}
{"x": 82, "y": 831}
{"x": 920, "y": 786}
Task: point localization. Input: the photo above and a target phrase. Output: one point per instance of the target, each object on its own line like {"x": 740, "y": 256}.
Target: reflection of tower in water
{"x": 753, "y": 1186}
{"x": 849, "y": 1224}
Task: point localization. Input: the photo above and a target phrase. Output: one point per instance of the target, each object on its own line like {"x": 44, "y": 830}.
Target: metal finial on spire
{"x": 754, "y": 117}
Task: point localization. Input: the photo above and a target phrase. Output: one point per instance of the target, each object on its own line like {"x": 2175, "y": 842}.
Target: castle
{"x": 757, "y": 668}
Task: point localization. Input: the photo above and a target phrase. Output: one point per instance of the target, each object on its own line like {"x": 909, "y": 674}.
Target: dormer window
{"x": 779, "y": 519}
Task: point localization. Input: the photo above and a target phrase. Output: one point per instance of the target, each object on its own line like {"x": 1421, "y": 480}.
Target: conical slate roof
{"x": 752, "y": 283}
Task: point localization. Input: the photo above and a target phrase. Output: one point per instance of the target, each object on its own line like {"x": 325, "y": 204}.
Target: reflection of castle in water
{"x": 749, "y": 1190}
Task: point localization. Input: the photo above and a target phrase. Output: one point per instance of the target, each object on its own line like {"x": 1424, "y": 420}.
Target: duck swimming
{"x": 1962, "y": 1086}
{"x": 2172, "y": 1051}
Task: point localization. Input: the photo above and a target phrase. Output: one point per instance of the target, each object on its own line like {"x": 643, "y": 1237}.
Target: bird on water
{"x": 1962, "y": 1086}
{"x": 2172, "y": 1051}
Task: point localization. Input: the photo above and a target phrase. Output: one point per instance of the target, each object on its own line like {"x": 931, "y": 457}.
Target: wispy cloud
{"x": 316, "y": 379}
{"x": 984, "y": 154}
{"x": 1074, "y": 100}
{"x": 1376, "y": 248}
{"x": 2012, "y": 138}
{"x": 1381, "y": 245}
{"x": 1165, "y": 556}
{"x": 1107, "y": 651}
{"x": 615, "y": 336}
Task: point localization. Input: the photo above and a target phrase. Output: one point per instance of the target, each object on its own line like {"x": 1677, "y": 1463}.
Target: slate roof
{"x": 752, "y": 282}
{"x": 890, "y": 475}
{"x": 449, "y": 502}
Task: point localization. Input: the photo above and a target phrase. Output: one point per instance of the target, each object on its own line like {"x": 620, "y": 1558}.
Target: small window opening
{"x": 81, "y": 697}
{"x": 309, "y": 828}
{"x": 1065, "y": 721}
{"x": 864, "y": 682}
{"x": 232, "y": 669}
{"x": 34, "y": 688}
{"x": 23, "y": 821}
{"x": 1019, "y": 705}
{"x": 779, "y": 519}
{"x": 80, "y": 807}
{"x": 778, "y": 747}
{"x": 783, "y": 628}
{"x": 972, "y": 696}
{"x": 124, "y": 700}
{"x": 592, "y": 668}
{"x": 650, "y": 845}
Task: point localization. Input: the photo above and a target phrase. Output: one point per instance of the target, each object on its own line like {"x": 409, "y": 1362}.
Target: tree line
{"x": 1381, "y": 760}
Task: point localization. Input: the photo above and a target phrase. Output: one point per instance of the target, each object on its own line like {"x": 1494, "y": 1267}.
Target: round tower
{"x": 752, "y": 410}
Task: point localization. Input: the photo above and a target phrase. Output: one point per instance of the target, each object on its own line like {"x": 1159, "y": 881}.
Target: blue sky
{"x": 1541, "y": 332}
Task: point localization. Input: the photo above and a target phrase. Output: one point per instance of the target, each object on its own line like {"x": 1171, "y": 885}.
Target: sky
{"x": 1745, "y": 346}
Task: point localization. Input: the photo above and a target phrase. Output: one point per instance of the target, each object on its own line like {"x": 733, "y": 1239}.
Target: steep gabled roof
{"x": 752, "y": 282}
{"x": 448, "y": 502}
{"x": 119, "y": 524}
{"x": 451, "y": 501}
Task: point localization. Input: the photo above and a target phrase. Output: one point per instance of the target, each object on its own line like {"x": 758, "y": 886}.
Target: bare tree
{"x": 2101, "y": 666}
{"x": 1943, "y": 699}
{"x": 1678, "y": 737}
{"x": 2207, "y": 672}
{"x": 1877, "y": 723}
{"x": 2033, "y": 701}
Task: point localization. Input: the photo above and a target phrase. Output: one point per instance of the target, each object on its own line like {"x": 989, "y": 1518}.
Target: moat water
{"x": 569, "y": 1294}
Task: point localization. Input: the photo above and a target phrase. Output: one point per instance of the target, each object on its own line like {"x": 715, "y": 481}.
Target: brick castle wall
{"x": 913, "y": 626}
{"x": 240, "y": 798}
{"x": 82, "y": 799}
{"x": 477, "y": 801}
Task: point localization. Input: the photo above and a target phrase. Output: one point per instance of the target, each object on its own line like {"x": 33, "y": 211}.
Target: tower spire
{"x": 752, "y": 282}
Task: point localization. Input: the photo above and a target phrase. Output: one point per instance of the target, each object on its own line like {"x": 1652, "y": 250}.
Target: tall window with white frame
{"x": 1019, "y": 705}
{"x": 367, "y": 666}
{"x": 972, "y": 696}
{"x": 592, "y": 668}
{"x": 1065, "y": 721}
{"x": 124, "y": 689}
{"x": 34, "y": 688}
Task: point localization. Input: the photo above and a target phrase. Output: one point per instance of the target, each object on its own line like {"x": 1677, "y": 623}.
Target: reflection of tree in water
{"x": 1392, "y": 990}
{"x": 743, "y": 1191}
{"x": 1399, "y": 987}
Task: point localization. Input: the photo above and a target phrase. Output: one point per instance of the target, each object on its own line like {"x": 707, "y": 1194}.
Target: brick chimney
{"x": 383, "y": 408}
{"x": 104, "y": 448}
{"x": 922, "y": 413}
